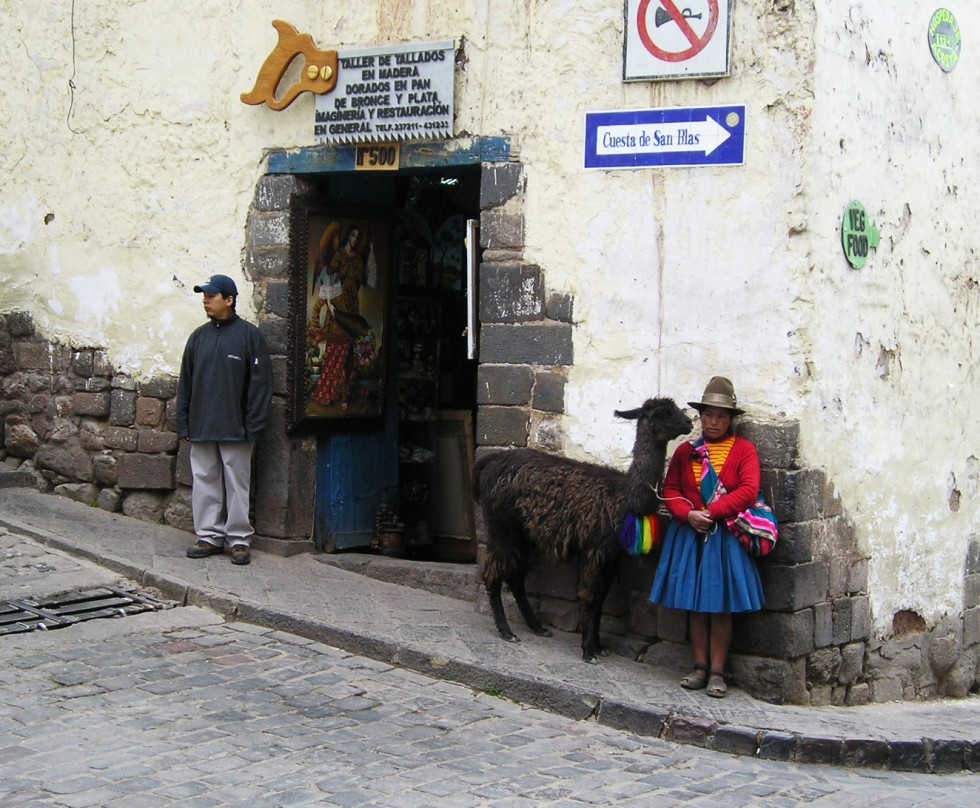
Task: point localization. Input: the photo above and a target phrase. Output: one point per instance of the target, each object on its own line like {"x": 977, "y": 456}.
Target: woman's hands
{"x": 701, "y": 521}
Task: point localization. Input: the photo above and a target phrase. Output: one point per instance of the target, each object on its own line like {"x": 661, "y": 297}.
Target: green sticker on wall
{"x": 858, "y": 235}
{"x": 944, "y": 39}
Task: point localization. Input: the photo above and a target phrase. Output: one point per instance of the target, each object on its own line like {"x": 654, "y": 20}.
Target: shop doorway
{"x": 402, "y": 485}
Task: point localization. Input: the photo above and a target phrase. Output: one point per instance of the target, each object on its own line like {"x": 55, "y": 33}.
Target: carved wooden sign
{"x": 384, "y": 94}
{"x": 319, "y": 75}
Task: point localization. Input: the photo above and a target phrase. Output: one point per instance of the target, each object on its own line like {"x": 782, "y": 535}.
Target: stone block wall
{"x": 525, "y": 331}
{"x": 285, "y": 498}
{"x": 72, "y": 424}
{"x": 817, "y": 609}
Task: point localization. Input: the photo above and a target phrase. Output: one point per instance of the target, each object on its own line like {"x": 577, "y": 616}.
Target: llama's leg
{"x": 494, "y": 587}
{"x": 596, "y": 584}
{"x": 497, "y": 566}
{"x": 515, "y": 583}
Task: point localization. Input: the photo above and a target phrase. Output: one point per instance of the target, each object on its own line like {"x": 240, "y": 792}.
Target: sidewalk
{"x": 447, "y": 638}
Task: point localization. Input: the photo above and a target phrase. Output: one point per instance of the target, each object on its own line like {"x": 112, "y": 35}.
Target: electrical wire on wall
{"x": 71, "y": 80}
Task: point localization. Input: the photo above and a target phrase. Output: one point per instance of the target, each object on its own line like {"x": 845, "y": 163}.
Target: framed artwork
{"x": 338, "y": 320}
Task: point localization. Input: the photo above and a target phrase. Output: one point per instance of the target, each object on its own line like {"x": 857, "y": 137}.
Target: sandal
{"x": 716, "y": 685}
{"x": 697, "y": 678}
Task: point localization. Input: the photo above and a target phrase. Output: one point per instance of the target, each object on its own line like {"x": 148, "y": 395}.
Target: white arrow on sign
{"x": 659, "y": 138}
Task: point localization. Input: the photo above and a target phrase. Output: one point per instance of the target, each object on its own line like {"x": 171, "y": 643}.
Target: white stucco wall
{"x": 145, "y": 174}
{"x": 891, "y": 391}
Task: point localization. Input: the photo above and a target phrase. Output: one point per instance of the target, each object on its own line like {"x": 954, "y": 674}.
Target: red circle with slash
{"x": 698, "y": 43}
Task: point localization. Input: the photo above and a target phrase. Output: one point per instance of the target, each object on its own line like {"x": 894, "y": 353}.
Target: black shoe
{"x": 239, "y": 554}
{"x": 202, "y": 549}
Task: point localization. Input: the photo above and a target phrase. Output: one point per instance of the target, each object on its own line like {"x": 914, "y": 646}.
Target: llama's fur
{"x": 535, "y": 503}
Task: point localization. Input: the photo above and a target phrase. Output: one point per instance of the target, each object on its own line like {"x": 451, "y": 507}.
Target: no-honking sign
{"x": 676, "y": 39}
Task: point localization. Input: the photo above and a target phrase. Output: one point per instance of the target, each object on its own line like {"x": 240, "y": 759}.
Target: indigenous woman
{"x": 703, "y": 568}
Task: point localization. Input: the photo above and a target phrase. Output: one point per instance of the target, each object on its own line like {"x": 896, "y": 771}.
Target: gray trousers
{"x": 222, "y": 476}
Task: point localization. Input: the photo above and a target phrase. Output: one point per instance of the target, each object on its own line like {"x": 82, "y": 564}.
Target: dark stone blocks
{"x": 528, "y": 344}
{"x": 511, "y": 293}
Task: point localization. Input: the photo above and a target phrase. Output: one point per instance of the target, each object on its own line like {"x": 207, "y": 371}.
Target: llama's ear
{"x": 632, "y": 415}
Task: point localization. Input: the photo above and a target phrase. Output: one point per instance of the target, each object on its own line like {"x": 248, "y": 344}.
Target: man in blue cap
{"x": 223, "y": 400}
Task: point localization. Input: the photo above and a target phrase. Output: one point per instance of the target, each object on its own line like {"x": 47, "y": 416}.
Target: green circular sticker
{"x": 944, "y": 39}
{"x": 858, "y": 235}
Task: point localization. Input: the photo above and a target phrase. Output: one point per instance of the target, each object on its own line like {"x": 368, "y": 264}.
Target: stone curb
{"x": 925, "y": 755}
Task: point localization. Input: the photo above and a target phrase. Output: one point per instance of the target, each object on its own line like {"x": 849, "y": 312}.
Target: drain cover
{"x": 18, "y": 616}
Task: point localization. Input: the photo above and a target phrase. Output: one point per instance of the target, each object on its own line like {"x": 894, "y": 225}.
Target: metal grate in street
{"x": 19, "y": 616}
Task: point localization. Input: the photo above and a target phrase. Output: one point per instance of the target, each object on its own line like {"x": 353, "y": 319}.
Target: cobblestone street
{"x": 179, "y": 708}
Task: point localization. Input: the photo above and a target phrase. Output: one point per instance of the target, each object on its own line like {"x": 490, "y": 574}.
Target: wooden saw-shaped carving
{"x": 319, "y": 75}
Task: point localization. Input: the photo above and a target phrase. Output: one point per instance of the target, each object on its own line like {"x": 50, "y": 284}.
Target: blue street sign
{"x": 672, "y": 137}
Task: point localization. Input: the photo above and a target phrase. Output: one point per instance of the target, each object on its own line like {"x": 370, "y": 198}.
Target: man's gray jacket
{"x": 225, "y": 384}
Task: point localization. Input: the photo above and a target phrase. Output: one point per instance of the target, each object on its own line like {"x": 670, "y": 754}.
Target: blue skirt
{"x": 706, "y": 574}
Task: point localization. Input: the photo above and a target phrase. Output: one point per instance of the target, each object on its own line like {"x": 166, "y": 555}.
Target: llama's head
{"x": 660, "y": 419}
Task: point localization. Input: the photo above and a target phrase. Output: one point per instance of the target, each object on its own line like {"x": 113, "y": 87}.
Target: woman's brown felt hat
{"x": 720, "y": 392}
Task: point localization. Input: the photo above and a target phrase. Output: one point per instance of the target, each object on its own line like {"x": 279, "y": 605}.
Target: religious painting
{"x": 338, "y": 316}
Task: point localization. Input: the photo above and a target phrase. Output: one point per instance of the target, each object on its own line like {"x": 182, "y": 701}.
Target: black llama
{"x": 535, "y": 503}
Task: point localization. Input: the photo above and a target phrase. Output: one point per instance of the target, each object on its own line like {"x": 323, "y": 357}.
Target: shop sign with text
{"x": 389, "y": 93}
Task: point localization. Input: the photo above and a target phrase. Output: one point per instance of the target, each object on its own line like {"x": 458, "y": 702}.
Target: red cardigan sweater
{"x": 740, "y": 475}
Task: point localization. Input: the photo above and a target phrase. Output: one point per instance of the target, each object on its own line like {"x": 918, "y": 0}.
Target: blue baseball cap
{"x": 218, "y": 285}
